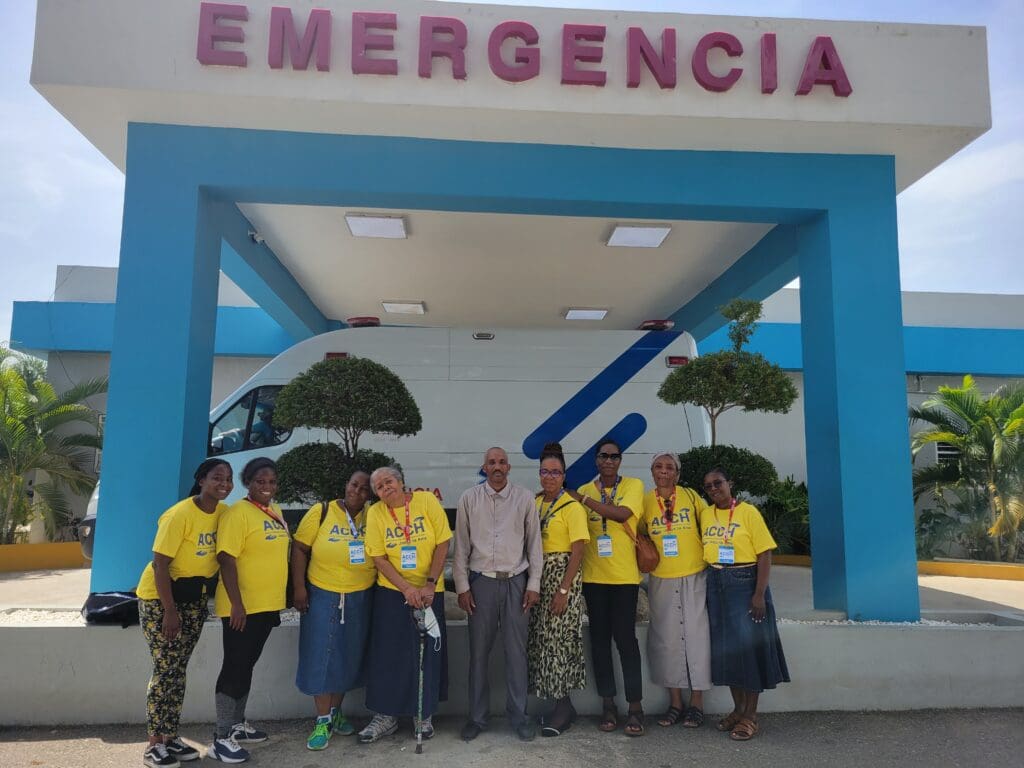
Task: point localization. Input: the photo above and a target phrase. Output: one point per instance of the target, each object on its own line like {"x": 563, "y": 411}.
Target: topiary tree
{"x": 752, "y": 474}
{"x": 349, "y": 396}
{"x": 731, "y": 378}
{"x": 317, "y": 472}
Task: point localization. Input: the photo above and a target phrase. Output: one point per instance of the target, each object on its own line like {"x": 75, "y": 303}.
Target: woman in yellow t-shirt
{"x": 252, "y": 549}
{"x": 746, "y": 652}
{"x": 332, "y": 579}
{"x": 172, "y": 604}
{"x": 407, "y": 536}
{"x": 678, "y": 639}
{"x": 611, "y": 582}
{"x": 554, "y": 647}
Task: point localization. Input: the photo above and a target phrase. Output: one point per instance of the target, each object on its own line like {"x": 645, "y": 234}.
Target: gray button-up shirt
{"x": 497, "y": 531}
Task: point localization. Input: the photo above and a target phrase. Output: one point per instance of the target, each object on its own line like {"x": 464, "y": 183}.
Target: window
{"x": 248, "y": 424}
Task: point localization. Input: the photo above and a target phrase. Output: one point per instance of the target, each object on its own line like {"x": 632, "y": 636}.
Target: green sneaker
{"x": 321, "y": 735}
{"x": 341, "y": 725}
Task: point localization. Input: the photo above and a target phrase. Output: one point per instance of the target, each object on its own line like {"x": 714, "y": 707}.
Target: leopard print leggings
{"x": 554, "y": 648}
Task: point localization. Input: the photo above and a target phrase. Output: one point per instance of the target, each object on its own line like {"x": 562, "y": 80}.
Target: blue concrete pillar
{"x": 161, "y": 362}
{"x": 855, "y": 406}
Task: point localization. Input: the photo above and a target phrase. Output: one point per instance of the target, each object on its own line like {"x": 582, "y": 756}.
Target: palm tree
{"x": 41, "y": 431}
{"x": 988, "y": 433}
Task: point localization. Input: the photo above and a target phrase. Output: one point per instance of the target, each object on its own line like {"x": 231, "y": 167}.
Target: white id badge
{"x": 356, "y": 553}
{"x": 726, "y": 554}
{"x": 670, "y": 545}
{"x": 408, "y": 558}
{"x": 604, "y": 546}
{"x": 341, "y": 608}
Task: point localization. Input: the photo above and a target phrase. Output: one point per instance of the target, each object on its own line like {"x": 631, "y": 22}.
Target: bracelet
{"x": 431, "y": 580}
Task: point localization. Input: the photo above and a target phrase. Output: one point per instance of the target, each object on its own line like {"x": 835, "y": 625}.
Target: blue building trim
{"x": 843, "y": 208}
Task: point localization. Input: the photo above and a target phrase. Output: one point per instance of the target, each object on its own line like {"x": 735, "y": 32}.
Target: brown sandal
{"x": 728, "y": 722}
{"x": 671, "y": 717}
{"x": 744, "y": 730}
{"x": 635, "y": 723}
{"x": 609, "y": 719}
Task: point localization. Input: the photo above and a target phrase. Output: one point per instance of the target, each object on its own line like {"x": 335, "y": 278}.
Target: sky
{"x": 60, "y": 199}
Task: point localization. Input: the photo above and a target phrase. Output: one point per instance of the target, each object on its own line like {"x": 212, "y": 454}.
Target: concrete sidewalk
{"x": 818, "y": 740}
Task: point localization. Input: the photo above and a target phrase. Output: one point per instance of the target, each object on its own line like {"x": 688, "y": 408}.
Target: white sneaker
{"x": 379, "y": 727}
{"x": 156, "y": 756}
{"x": 244, "y": 733}
{"x": 227, "y": 751}
{"x": 424, "y": 726}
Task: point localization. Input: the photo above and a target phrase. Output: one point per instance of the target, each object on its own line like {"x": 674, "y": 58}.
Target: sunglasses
{"x": 551, "y": 473}
{"x": 609, "y": 456}
{"x": 713, "y": 484}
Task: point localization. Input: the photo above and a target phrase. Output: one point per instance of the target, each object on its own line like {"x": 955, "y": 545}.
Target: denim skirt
{"x": 744, "y": 653}
{"x": 331, "y": 653}
{"x": 393, "y": 659}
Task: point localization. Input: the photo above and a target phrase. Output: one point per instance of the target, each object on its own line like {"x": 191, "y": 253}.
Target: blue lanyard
{"x": 605, "y": 500}
{"x": 351, "y": 523}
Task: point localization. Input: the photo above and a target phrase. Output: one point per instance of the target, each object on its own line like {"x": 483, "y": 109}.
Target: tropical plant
{"x": 988, "y": 434}
{"x": 42, "y": 431}
{"x": 786, "y": 512}
{"x": 751, "y": 473}
{"x": 731, "y": 378}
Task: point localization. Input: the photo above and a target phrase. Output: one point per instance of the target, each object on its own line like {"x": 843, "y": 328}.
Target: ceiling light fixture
{"x": 389, "y": 227}
{"x": 577, "y": 313}
{"x": 404, "y": 307}
{"x": 638, "y": 237}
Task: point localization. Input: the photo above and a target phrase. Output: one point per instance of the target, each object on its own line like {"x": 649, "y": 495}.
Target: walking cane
{"x": 421, "y": 625}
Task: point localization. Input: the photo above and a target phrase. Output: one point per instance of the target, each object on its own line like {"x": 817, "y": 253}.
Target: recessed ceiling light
{"x": 585, "y": 314}
{"x": 638, "y": 237}
{"x": 404, "y": 307}
{"x": 390, "y": 227}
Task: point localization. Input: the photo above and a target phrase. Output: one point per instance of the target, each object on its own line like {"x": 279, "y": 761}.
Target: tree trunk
{"x": 714, "y": 417}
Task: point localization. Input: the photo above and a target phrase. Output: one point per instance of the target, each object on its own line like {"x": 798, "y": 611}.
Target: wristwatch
{"x": 563, "y": 591}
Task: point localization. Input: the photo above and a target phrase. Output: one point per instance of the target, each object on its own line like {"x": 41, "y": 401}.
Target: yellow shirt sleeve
{"x": 170, "y": 532}
{"x": 309, "y": 526}
{"x": 576, "y": 520}
{"x": 231, "y": 532}
{"x": 632, "y": 496}
{"x": 760, "y": 536}
{"x": 438, "y": 519}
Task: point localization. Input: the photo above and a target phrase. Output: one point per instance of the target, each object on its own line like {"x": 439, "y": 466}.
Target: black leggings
{"x": 241, "y": 652}
{"x": 611, "y": 610}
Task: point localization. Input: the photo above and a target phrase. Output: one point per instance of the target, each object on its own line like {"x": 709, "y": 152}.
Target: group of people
{"x": 368, "y": 581}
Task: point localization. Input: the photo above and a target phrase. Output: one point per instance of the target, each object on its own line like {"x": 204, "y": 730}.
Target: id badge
{"x": 604, "y": 546}
{"x": 341, "y": 608}
{"x": 726, "y": 554}
{"x": 408, "y": 558}
{"x": 670, "y": 545}
{"x": 356, "y": 553}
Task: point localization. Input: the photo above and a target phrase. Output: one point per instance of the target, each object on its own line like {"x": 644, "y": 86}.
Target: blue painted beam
{"x": 68, "y": 326}
{"x": 255, "y": 268}
{"x": 757, "y": 274}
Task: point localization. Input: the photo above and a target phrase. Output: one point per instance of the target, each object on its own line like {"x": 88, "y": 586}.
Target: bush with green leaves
{"x": 786, "y": 512}
{"x": 315, "y": 472}
{"x": 752, "y": 474}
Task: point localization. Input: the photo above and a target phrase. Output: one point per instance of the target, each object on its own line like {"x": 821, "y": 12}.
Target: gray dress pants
{"x": 499, "y": 607}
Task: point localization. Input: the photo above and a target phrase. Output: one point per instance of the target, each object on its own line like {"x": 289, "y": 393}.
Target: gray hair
{"x": 395, "y": 472}
{"x": 671, "y": 455}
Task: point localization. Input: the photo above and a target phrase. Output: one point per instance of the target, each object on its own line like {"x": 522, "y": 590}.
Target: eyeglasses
{"x": 609, "y": 456}
{"x": 551, "y": 473}
{"x": 713, "y": 484}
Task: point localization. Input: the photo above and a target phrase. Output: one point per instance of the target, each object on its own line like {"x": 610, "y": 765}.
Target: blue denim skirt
{"x": 331, "y": 653}
{"x": 744, "y": 653}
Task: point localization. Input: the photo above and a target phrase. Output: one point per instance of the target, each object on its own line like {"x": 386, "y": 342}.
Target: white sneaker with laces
{"x": 244, "y": 733}
{"x": 378, "y": 728}
{"x": 156, "y": 756}
{"x": 226, "y": 750}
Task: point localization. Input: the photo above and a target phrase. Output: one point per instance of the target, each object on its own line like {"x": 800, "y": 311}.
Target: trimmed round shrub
{"x": 752, "y": 474}
{"x": 315, "y": 472}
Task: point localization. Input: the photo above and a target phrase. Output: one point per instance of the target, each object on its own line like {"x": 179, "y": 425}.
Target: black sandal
{"x": 635, "y": 723}
{"x": 671, "y": 717}
{"x": 694, "y": 718}
{"x": 609, "y": 719}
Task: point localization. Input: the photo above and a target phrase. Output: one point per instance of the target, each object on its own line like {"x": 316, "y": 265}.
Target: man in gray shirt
{"x": 497, "y": 565}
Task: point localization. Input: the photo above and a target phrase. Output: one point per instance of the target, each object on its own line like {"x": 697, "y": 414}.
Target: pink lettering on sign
{"x": 316, "y": 37}
{"x": 212, "y": 32}
{"x": 699, "y": 63}
{"x": 574, "y": 52}
{"x": 640, "y": 50}
{"x": 527, "y": 60}
{"x": 363, "y": 41}
{"x": 823, "y": 67}
{"x": 769, "y": 63}
{"x": 453, "y": 47}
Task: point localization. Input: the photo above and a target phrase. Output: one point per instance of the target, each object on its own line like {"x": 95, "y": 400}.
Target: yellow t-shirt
{"x": 187, "y": 535}
{"x": 620, "y": 567}
{"x": 683, "y": 556}
{"x": 260, "y": 547}
{"x": 747, "y": 532}
{"x": 334, "y": 562}
{"x": 562, "y": 524}
{"x": 429, "y": 527}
